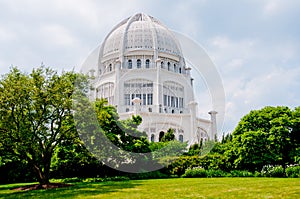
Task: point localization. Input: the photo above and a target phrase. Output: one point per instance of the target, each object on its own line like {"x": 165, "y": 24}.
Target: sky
{"x": 254, "y": 44}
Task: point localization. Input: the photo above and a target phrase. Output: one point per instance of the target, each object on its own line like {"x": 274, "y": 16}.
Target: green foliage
{"x": 115, "y": 142}
{"x": 194, "y": 150}
{"x": 35, "y": 112}
{"x": 178, "y": 165}
{"x": 293, "y": 172}
{"x": 238, "y": 173}
{"x": 215, "y": 161}
{"x": 16, "y": 171}
{"x": 167, "y": 149}
{"x": 204, "y": 148}
{"x": 90, "y": 180}
{"x": 123, "y": 134}
{"x": 272, "y": 171}
{"x": 169, "y": 136}
{"x": 266, "y": 136}
{"x": 197, "y": 172}
{"x": 148, "y": 175}
{"x": 73, "y": 159}
{"x": 215, "y": 173}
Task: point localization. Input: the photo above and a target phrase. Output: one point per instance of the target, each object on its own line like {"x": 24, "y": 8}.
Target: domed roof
{"x": 140, "y": 32}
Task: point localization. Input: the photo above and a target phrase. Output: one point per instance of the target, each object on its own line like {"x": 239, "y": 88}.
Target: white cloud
{"x": 57, "y": 35}
{"x": 279, "y": 87}
{"x": 6, "y": 35}
{"x": 272, "y": 8}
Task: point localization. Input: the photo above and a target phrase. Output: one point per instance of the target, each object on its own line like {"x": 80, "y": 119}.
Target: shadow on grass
{"x": 79, "y": 190}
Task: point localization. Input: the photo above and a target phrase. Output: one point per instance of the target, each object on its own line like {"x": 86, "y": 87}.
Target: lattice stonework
{"x": 173, "y": 95}
{"x": 140, "y": 88}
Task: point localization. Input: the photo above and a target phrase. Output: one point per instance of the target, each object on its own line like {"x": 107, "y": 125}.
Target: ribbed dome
{"x": 140, "y": 32}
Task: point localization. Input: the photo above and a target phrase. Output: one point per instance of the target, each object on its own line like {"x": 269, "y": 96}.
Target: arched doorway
{"x": 161, "y": 135}
{"x": 152, "y": 138}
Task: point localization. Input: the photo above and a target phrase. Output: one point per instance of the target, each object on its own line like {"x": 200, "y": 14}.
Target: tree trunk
{"x": 43, "y": 177}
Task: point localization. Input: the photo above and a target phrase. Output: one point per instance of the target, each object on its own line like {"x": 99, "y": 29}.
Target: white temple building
{"x": 141, "y": 70}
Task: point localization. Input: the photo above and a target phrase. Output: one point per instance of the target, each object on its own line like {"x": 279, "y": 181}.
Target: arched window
{"x": 161, "y": 135}
{"x": 162, "y": 64}
{"x": 169, "y": 65}
{"x": 180, "y": 138}
{"x": 110, "y": 68}
{"x": 129, "y": 64}
{"x": 138, "y": 63}
{"x": 147, "y": 63}
{"x": 152, "y": 137}
{"x": 106, "y": 91}
{"x": 175, "y": 68}
{"x": 180, "y": 70}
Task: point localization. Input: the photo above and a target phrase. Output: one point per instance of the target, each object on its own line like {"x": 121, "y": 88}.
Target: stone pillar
{"x": 193, "y": 110}
{"x": 213, "y": 129}
{"x": 117, "y": 94}
{"x": 157, "y": 89}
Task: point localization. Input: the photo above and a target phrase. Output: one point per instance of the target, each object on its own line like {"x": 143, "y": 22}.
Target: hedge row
{"x": 267, "y": 171}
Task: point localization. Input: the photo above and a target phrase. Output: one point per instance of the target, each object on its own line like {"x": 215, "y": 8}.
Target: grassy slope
{"x": 170, "y": 188}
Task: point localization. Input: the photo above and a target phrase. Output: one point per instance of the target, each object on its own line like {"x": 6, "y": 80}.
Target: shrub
{"x": 178, "y": 165}
{"x": 215, "y": 173}
{"x": 238, "y": 173}
{"x": 148, "y": 175}
{"x": 272, "y": 171}
{"x": 197, "y": 172}
{"x": 71, "y": 180}
{"x": 257, "y": 174}
{"x": 293, "y": 172}
{"x": 76, "y": 179}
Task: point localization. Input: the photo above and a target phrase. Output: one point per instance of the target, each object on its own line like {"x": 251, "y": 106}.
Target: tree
{"x": 171, "y": 148}
{"x": 117, "y": 143}
{"x": 169, "y": 136}
{"x": 36, "y": 116}
{"x": 122, "y": 133}
{"x": 266, "y": 136}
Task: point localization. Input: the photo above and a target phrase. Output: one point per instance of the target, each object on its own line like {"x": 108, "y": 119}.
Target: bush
{"x": 178, "y": 165}
{"x": 197, "y": 172}
{"x": 272, "y": 171}
{"x": 76, "y": 179}
{"x": 237, "y": 173}
{"x": 16, "y": 171}
{"x": 215, "y": 173}
{"x": 257, "y": 174}
{"x": 148, "y": 175}
{"x": 293, "y": 172}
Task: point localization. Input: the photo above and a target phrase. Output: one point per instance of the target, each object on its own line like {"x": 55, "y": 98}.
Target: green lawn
{"x": 169, "y": 188}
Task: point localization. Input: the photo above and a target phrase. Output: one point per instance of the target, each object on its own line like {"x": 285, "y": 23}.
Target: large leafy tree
{"x": 117, "y": 143}
{"x": 122, "y": 133}
{"x": 266, "y": 136}
{"x": 36, "y": 116}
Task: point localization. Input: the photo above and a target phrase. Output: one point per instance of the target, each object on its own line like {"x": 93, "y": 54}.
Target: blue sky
{"x": 254, "y": 44}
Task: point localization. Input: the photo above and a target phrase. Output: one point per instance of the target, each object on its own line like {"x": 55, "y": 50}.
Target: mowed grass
{"x": 169, "y": 188}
